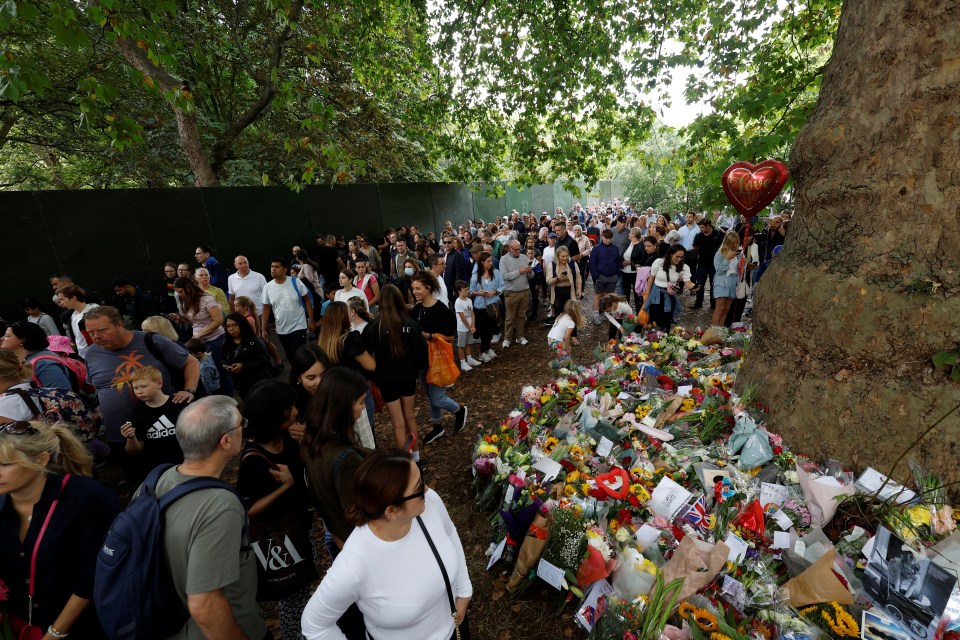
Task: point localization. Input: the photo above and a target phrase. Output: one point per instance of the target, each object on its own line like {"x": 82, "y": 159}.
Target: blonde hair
{"x": 67, "y": 453}
{"x": 159, "y": 324}
{"x": 731, "y": 245}
{"x": 560, "y": 251}
{"x": 12, "y": 367}
{"x": 572, "y": 310}
{"x": 147, "y": 373}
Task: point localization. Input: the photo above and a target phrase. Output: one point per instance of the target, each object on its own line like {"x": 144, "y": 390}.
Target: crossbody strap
{"x": 443, "y": 569}
{"x": 36, "y": 550}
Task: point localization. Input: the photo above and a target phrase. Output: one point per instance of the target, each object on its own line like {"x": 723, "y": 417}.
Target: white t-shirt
{"x": 548, "y": 252}
{"x": 559, "y": 330}
{"x": 661, "y": 276}
{"x": 285, "y": 306}
{"x": 12, "y": 405}
{"x": 466, "y": 308}
{"x": 396, "y": 585}
{"x": 441, "y": 293}
{"x": 251, "y": 286}
{"x": 79, "y": 338}
{"x": 343, "y": 296}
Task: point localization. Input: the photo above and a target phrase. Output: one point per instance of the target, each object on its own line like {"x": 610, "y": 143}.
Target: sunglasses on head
{"x": 18, "y": 428}
{"x": 419, "y": 493}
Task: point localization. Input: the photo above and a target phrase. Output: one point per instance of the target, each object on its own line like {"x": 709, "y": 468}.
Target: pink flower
{"x": 660, "y": 522}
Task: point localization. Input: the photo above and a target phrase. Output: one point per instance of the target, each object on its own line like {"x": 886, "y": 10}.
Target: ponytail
{"x": 74, "y": 456}
{"x": 13, "y": 368}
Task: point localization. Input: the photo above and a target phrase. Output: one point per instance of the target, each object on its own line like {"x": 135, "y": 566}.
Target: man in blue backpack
{"x": 214, "y": 570}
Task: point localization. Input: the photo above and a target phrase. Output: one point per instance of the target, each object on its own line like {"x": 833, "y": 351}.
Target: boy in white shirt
{"x": 466, "y": 326}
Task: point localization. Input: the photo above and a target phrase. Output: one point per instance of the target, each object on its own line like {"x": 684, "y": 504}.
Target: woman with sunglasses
{"x": 52, "y": 524}
{"x": 393, "y": 564}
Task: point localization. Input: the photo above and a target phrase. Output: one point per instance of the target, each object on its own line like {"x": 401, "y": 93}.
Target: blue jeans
{"x": 370, "y": 405}
{"x": 437, "y": 397}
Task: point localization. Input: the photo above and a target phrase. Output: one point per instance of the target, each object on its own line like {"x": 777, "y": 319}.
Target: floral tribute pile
{"x": 648, "y": 492}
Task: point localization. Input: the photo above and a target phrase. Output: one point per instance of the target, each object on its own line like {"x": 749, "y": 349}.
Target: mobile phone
{"x": 410, "y": 441}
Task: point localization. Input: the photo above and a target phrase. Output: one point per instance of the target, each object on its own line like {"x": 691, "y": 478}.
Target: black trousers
{"x": 485, "y": 328}
{"x": 705, "y": 273}
{"x": 629, "y": 280}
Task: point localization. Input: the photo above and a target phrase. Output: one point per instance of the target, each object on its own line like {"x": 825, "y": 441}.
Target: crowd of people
{"x": 151, "y": 383}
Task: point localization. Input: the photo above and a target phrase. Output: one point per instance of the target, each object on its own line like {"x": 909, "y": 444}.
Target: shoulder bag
{"x": 460, "y": 631}
{"x": 27, "y": 630}
{"x": 282, "y": 546}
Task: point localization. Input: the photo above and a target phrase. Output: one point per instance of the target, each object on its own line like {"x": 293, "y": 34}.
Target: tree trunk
{"x": 190, "y": 142}
{"x": 866, "y": 290}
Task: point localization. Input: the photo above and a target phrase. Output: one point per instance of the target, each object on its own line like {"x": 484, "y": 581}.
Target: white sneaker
{"x": 485, "y": 358}
{"x": 464, "y": 366}
{"x": 522, "y": 341}
{"x": 505, "y": 344}
{"x": 472, "y": 362}
{"x": 491, "y": 354}
{"x": 495, "y": 338}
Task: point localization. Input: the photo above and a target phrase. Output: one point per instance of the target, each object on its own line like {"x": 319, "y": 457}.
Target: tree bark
{"x": 190, "y": 141}
{"x": 866, "y": 290}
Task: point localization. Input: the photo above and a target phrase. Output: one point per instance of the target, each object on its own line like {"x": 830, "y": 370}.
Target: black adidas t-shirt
{"x": 156, "y": 428}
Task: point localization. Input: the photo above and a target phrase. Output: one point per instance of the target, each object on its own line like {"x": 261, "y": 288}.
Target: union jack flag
{"x": 697, "y": 516}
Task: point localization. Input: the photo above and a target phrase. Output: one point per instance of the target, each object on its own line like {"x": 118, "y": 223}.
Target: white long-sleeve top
{"x": 397, "y": 585}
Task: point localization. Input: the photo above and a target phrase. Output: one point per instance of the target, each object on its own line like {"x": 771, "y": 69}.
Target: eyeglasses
{"x": 419, "y": 493}
{"x": 22, "y": 427}
{"x": 243, "y": 425}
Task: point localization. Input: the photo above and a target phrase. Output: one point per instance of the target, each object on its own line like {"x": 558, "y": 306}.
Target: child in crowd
{"x": 330, "y": 294}
{"x": 245, "y": 307}
{"x": 561, "y": 334}
{"x": 31, "y": 306}
{"x": 151, "y": 432}
{"x": 466, "y": 326}
{"x": 209, "y": 374}
{"x": 614, "y": 308}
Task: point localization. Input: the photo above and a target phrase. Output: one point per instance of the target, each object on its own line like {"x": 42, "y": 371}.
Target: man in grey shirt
{"x": 213, "y": 566}
{"x": 517, "y": 273}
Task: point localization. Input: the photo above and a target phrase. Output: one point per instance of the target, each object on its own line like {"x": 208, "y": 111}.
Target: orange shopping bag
{"x": 442, "y": 370}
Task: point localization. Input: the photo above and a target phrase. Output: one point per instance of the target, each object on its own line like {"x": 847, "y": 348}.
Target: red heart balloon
{"x": 751, "y": 187}
{"x": 615, "y": 484}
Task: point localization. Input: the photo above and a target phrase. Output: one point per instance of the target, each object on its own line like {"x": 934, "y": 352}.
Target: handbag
{"x": 460, "y": 631}
{"x": 442, "y": 370}
{"x": 283, "y": 549}
{"x": 741, "y": 291}
{"x": 27, "y": 630}
{"x": 493, "y": 308}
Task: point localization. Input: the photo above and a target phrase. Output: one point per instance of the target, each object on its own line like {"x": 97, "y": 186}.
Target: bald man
{"x": 246, "y": 283}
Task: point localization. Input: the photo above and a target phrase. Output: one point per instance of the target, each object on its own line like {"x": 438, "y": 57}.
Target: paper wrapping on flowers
{"x": 697, "y": 562}
{"x": 661, "y": 465}
{"x": 530, "y": 550}
{"x": 818, "y": 584}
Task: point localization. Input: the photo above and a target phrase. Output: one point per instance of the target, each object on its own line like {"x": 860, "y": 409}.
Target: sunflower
{"x": 706, "y": 620}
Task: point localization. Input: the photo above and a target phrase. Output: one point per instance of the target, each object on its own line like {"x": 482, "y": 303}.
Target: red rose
{"x": 777, "y": 451}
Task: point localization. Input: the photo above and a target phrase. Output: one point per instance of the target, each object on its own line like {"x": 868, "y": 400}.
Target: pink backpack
{"x": 77, "y": 370}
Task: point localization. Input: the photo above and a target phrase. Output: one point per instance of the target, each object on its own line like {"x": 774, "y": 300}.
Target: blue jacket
{"x": 605, "y": 260}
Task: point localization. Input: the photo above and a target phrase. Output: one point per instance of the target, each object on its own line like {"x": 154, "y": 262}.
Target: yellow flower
{"x": 576, "y": 453}
{"x": 585, "y": 488}
{"x": 544, "y": 398}
{"x": 550, "y": 445}
{"x": 573, "y": 477}
{"x": 655, "y": 345}
{"x": 919, "y": 515}
{"x": 614, "y": 525}
{"x": 569, "y": 490}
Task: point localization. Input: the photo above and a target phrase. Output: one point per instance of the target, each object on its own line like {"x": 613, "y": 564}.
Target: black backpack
{"x": 134, "y": 594}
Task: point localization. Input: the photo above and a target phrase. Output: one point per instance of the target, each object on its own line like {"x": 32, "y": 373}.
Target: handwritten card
{"x": 684, "y": 389}
{"x": 734, "y": 592}
{"x": 781, "y": 539}
{"x": 783, "y": 520}
{"x": 738, "y": 547}
{"x": 668, "y": 498}
{"x": 550, "y": 468}
{"x": 497, "y": 553}
{"x": 647, "y": 535}
{"x": 551, "y": 574}
{"x": 604, "y": 448}
{"x": 775, "y": 494}
{"x": 872, "y": 481}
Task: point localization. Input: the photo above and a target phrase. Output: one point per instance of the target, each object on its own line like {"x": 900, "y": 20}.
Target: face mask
{"x": 408, "y": 271}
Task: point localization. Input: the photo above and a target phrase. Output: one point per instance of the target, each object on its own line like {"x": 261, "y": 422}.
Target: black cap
{"x": 621, "y": 218}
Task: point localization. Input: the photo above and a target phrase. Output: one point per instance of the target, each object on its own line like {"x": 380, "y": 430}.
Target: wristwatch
{"x": 192, "y": 392}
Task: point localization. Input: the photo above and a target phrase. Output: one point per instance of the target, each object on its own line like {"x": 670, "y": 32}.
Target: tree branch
{"x": 268, "y": 89}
